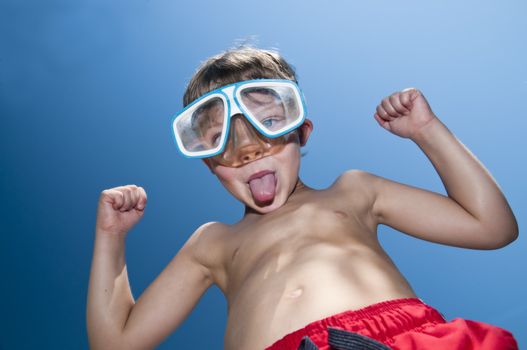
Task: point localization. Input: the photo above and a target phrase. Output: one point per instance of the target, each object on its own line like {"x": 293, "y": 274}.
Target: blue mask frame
{"x": 229, "y": 94}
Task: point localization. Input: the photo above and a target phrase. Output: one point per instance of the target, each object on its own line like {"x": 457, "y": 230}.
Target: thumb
{"x": 413, "y": 93}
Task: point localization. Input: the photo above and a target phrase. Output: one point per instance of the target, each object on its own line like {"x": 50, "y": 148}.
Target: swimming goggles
{"x": 273, "y": 106}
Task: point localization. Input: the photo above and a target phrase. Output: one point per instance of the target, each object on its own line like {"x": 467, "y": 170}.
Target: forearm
{"x": 109, "y": 296}
{"x": 466, "y": 180}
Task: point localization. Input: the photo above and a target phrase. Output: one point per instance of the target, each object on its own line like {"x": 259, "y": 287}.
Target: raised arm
{"x": 114, "y": 320}
{"x": 475, "y": 214}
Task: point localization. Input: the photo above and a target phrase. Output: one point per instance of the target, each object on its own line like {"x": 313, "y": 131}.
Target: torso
{"x": 316, "y": 256}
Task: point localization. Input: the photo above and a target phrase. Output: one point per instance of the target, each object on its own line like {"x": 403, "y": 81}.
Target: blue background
{"x": 88, "y": 88}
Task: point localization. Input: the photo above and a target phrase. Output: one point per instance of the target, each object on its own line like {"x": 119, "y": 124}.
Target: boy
{"x": 303, "y": 268}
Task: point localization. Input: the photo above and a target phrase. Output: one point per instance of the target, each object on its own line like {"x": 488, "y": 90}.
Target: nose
{"x": 245, "y": 144}
{"x": 242, "y": 133}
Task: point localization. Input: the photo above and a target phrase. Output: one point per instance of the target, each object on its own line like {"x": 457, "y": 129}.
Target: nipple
{"x": 295, "y": 293}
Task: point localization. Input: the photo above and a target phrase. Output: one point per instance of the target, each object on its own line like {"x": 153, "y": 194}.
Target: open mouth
{"x": 263, "y": 186}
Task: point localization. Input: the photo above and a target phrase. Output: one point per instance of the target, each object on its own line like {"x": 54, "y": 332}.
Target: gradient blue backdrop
{"x": 88, "y": 88}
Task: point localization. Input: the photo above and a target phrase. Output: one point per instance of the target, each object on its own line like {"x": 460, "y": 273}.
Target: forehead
{"x": 210, "y": 85}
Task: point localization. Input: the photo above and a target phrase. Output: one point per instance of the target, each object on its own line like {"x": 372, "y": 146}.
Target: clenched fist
{"x": 404, "y": 113}
{"x": 120, "y": 208}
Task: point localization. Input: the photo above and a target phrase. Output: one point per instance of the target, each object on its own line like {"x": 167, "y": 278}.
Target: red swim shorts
{"x": 399, "y": 324}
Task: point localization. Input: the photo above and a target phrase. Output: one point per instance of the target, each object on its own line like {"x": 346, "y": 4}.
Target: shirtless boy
{"x": 303, "y": 268}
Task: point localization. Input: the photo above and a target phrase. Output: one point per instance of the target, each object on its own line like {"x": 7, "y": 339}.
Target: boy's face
{"x": 259, "y": 171}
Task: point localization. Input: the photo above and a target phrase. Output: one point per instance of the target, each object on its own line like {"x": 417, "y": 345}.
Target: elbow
{"x": 513, "y": 235}
{"x": 103, "y": 339}
{"x": 505, "y": 241}
{"x": 105, "y": 343}
{"x": 502, "y": 238}
{"x": 109, "y": 345}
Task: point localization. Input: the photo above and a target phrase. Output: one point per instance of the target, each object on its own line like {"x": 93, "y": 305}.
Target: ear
{"x": 304, "y": 131}
{"x": 208, "y": 163}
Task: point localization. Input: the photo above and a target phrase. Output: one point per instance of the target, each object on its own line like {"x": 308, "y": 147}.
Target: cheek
{"x": 229, "y": 178}
{"x": 289, "y": 162}
{"x": 225, "y": 174}
{"x": 290, "y": 156}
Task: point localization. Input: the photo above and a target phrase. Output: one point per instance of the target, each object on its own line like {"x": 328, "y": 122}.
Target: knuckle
{"x": 108, "y": 193}
{"x": 120, "y": 196}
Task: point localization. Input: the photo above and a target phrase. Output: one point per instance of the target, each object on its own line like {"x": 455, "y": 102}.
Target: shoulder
{"x": 359, "y": 188}
{"x": 208, "y": 228}
{"x": 206, "y": 246}
{"x": 357, "y": 180}
{"x": 204, "y": 237}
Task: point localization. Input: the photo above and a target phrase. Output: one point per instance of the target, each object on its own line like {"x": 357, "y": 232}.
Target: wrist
{"x": 108, "y": 238}
{"x": 427, "y": 131}
{"x": 109, "y": 232}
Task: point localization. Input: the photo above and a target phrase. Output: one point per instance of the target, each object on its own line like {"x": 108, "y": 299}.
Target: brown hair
{"x": 238, "y": 64}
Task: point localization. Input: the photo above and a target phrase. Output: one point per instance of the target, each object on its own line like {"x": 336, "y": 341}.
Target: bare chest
{"x": 305, "y": 264}
{"x": 283, "y": 238}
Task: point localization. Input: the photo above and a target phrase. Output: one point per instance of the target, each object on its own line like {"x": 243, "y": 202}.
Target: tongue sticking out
{"x": 263, "y": 188}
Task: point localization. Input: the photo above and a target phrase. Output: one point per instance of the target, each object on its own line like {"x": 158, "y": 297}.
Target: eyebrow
{"x": 203, "y": 110}
{"x": 262, "y": 91}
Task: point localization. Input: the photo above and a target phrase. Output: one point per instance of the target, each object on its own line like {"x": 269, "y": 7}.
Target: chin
{"x": 285, "y": 166}
{"x": 266, "y": 208}
{"x": 282, "y": 194}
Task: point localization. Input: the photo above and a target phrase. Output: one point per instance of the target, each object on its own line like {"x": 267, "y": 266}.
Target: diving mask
{"x": 272, "y": 107}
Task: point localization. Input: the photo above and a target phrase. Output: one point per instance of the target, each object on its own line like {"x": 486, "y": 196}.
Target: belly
{"x": 286, "y": 292}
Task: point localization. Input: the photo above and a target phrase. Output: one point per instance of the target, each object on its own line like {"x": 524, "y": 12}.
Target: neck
{"x": 299, "y": 188}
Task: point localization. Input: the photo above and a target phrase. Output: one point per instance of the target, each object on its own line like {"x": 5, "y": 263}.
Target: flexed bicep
{"x": 168, "y": 301}
{"x": 428, "y": 215}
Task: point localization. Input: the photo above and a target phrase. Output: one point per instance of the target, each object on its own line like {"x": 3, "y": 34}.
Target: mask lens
{"x": 274, "y": 108}
{"x": 200, "y": 128}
